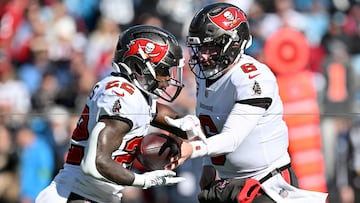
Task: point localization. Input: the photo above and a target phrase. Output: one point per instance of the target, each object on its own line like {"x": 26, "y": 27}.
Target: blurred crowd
{"x": 53, "y": 51}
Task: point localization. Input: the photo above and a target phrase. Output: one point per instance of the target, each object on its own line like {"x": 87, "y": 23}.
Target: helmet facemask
{"x": 173, "y": 82}
{"x": 213, "y": 58}
{"x": 146, "y": 81}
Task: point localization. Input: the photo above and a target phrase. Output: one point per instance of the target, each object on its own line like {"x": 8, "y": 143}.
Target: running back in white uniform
{"x": 148, "y": 62}
{"x": 113, "y": 97}
{"x": 268, "y": 141}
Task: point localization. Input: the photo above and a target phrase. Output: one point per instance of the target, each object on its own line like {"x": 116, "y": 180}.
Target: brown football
{"x": 156, "y": 149}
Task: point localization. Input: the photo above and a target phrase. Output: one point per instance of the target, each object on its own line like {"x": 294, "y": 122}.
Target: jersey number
{"x": 210, "y": 129}
{"x": 248, "y": 67}
{"x": 125, "y": 86}
{"x": 76, "y": 152}
{"x": 130, "y": 148}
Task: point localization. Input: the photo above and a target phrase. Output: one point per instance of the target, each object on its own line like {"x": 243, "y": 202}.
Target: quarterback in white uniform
{"x": 240, "y": 111}
{"x": 118, "y": 113}
{"x": 261, "y": 140}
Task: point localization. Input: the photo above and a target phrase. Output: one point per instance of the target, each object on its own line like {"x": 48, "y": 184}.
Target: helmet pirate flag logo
{"x": 154, "y": 52}
{"x": 228, "y": 19}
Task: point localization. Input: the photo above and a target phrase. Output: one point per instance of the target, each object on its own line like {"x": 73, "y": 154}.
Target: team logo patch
{"x": 154, "y": 52}
{"x": 220, "y": 186}
{"x": 116, "y": 107}
{"x": 228, "y": 19}
{"x": 256, "y": 88}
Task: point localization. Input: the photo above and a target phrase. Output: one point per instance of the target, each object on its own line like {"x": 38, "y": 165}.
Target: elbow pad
{"x": 88, "y": 163}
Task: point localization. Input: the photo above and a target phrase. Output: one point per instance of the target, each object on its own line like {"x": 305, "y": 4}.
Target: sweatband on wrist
{"x": 139, "y": 180}
{"x": 199, "y": 149}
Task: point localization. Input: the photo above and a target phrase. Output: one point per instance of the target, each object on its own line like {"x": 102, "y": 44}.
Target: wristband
{"x": 139, "y": 180}
{"x": 199, "y": 149}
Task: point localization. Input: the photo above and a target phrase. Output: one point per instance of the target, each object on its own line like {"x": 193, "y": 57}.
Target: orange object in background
{"x": 297, "y": 86}
{"x": 302, "y": 112}
{"x": 287, "y": 53}
{"x": 337, "y": 91}
{"x": 306, "y": 137}
{"x": 309, "y": 169}
{"x": 302, "y": 115}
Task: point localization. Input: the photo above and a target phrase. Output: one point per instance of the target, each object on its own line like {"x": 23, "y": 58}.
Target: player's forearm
{"x": 241, "y": 121}
{"x": 163, "y": 110}
{"x": 176, "y": 131}
{"x": 239, "y": 124}
{"x": 98, "y": 162}
{"x": 159, "y": 120}
{"x": 115, "y": 172}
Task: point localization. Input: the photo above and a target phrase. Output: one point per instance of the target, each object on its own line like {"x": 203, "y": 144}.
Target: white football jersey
{"x": 113, "y": 97}
{"x": 268, "y": 141}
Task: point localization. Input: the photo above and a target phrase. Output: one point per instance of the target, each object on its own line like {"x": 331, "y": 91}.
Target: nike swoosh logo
{"x": 253, "y": 76}
{"x": 118, "y": 94}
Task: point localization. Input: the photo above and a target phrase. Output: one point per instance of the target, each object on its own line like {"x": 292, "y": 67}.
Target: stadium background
{"x": 52, "y": 52}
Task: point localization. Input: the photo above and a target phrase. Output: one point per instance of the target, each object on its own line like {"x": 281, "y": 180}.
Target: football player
{"x": 240, "y": 111}
{"x": 119, "y": 110}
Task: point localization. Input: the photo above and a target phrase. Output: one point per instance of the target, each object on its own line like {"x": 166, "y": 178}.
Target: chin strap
{"x": 246, "y": 44}
{"x": 249, "y": 42}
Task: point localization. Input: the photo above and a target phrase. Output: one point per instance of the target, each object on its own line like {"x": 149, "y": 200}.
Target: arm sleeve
{"x": 242, "y": 119}
{"x": 88, "y": 163}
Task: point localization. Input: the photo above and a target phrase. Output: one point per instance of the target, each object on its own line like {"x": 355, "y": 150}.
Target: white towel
{"x": 282, "y": 192}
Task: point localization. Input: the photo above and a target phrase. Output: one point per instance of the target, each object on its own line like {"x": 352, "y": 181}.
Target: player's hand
{"x": 185, "y": 153}
{"x": 190, "y": 124}
{"x": 160, "y": 178}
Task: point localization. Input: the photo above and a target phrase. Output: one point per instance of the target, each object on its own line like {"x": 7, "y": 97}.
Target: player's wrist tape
{"x": 139, "y": 180}
{"x": 199, "y": 149}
